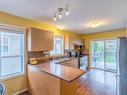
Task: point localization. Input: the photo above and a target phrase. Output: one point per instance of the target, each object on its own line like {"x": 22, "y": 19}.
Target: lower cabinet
{"x": 71, "y": 63}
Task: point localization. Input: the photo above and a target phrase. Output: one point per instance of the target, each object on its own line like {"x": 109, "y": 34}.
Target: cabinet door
{"x": 66, "y": 63}
{"x": 40, "y": 40}
{"x": 71, "y": 63}
{"x": 74, "y": 40}
{"x": 75, "y": 63}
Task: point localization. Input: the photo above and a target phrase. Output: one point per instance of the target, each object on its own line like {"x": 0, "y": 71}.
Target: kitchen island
{"x": 49, "y": 78}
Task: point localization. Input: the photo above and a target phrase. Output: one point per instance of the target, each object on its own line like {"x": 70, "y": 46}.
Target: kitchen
{"x": 61, "y": 50}
{"x": 52, "y": 66}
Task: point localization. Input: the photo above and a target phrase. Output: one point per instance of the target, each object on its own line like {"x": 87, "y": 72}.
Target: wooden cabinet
{"x": 75, "y": 63}
{"x": 42, "y": 83}
{"x": 71, "y": 63}
{"x": 39, "y": 40}
{"x": 70, "y": 41}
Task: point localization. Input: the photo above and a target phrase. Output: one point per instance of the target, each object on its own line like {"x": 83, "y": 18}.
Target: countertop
{"x": 63, "y": 72}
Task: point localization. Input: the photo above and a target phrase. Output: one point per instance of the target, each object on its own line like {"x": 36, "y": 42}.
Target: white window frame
{"x": 62, "y": 46}
{"x": 15, "y": 28}
{"x": 99, "y": 39}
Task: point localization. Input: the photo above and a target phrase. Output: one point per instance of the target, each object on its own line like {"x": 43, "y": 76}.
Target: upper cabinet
{"x": 39, "y": 40}
{"x": 70, "y": 41}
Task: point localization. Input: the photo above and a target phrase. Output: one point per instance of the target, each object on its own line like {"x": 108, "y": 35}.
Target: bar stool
{"x": 2, "y": 89}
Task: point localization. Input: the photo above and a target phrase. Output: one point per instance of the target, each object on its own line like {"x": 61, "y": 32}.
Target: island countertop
{"x": 63, "y": 72}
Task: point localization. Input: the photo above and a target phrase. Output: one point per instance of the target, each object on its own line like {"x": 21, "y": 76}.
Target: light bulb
{"x": 60, "y": 15}
{"x": 54, "y": 18}
{"x": 67, "y": 12}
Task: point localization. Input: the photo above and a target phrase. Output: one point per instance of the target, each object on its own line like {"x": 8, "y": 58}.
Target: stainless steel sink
{"x": 60, "y": 60}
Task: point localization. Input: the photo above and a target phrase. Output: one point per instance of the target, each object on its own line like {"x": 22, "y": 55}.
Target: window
{"x": 11, "y": 52}
{"x": 104, "y": 54}
{"x": 58, "y": 45}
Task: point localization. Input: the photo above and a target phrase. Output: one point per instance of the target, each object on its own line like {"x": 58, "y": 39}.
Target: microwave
{"x": 79, "y": 47}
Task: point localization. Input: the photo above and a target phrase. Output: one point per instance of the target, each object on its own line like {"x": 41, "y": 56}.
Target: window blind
{"x": 11, "y": 51}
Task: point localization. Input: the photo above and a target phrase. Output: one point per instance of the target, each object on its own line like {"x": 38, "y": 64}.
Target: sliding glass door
{"x": 110, "y": 55}
{"x": 98, "y": 54}
{"x": 103, "y": 54}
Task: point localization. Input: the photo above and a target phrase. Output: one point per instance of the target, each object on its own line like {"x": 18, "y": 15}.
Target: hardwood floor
{"x": 96, "y": 82}
{"x": 25, "y": 93}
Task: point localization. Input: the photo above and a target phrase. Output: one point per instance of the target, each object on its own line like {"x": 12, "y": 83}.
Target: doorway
{"x": 104, "y": 54}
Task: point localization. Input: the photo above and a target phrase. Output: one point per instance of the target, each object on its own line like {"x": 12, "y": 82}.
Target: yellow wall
{"x": 19, "y": 83}
{"x": 102, "y": 35}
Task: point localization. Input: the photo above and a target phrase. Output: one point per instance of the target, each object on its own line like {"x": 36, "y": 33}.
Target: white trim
{"x": 17, "y": 93}
{"x": 90, "y": 54}
{"x": 101, "y": 39}
{"x": 62, "y": 46}
{"x": 118, "y": 51}
{"x": 13, "y": 76}
{"x": 25, "y": 52}
{"x": 11, "y": 26}
{"x": 98, "y": 39}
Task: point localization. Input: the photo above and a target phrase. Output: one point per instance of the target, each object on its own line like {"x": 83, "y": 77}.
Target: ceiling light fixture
{"x": 94, "y": 24}
{"x": 60, "y": 12}
{"x": 54, "y": 18}
{"x": 67, "y": 11}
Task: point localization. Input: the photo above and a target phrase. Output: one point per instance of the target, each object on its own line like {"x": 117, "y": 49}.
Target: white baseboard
{"x": 17, "y": 93}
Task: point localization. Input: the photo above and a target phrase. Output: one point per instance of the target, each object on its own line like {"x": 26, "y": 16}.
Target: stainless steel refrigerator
{"x": 122, "y": 66}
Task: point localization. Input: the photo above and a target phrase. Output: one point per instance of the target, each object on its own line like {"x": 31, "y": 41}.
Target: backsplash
{"x": 40, "y": 56}
{"x": 34, "y": 54}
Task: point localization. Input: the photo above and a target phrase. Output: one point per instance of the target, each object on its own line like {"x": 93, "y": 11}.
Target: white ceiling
{"x": 111, "y": 13}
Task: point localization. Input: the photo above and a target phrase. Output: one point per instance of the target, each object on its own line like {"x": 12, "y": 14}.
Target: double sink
{"x": 60, "y": 60}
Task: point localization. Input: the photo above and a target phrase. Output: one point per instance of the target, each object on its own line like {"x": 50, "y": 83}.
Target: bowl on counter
{"x": 33, "y": 62}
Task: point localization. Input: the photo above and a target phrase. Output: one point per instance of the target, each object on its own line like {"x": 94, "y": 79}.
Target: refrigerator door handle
{"x": 116, "y": 75}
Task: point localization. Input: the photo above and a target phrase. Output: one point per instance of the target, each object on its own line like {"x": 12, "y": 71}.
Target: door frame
{"x": 102, "y": 39}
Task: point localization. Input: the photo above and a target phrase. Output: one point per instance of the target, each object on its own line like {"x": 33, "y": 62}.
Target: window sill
{"x": 12, "y": 76}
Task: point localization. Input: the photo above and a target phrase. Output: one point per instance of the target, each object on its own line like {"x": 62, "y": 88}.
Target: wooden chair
{"x": 2, "y": 89}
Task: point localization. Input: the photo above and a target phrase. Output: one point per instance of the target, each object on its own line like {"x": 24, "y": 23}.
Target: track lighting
{"x": 55, "y": 18}
{"x": 61, "y": 11}
{"x": 60, "y": 15}
{"x": 67, "y": 12}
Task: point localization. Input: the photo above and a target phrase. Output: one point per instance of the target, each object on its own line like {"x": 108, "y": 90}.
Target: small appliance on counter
{"x": 33, "y": 61}
{"x": 36, "y": 57}
{"x": 67, "y": 53}
{"x": 71, "y": 53}
{"x": 74, "y": 53}
{"x": 79, "y": 47}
